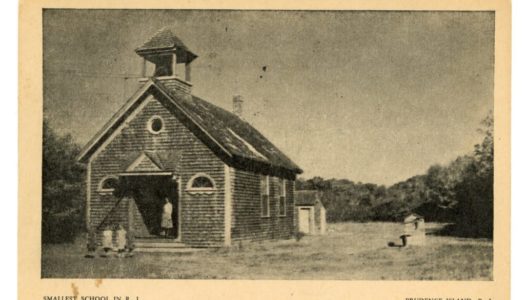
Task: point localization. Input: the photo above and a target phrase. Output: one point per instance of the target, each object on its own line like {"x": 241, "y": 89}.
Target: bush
{"x": 61, "y": 227}
{"x": 298, "y": 236}
{"x": 392, "y": 211}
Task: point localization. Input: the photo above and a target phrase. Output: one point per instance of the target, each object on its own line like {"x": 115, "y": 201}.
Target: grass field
{"x": 355, "y": 251}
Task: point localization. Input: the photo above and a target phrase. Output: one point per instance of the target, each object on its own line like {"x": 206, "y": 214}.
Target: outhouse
{"x": 310, "y": 212}
{"x": 414, "y": 229}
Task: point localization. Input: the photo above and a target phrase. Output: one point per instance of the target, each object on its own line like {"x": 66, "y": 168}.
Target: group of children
{"x": 122, "y": 247}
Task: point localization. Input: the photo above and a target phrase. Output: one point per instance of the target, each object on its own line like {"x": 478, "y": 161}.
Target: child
{"x": 121, "y": 240}
{"x": 130, "y": 244}
{"x": 91, "y": 244}
{"x": 107, "y": 240}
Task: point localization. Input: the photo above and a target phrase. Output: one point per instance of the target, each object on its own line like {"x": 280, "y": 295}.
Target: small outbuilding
{"x": 414, "y": 229}
{"x": 310, "y": 212}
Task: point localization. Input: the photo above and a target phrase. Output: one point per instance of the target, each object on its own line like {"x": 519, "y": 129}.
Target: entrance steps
{"x": 163, "y": 245}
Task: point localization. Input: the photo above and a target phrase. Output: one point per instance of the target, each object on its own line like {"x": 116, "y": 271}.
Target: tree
{"x": 318, "y": 183}
{"x": 475, "y": 192}
{"x": 62, "y": 179}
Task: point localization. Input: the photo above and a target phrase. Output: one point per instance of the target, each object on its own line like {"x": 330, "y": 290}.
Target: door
{"x": 304, "y": 220}
{"x": 149, "y": 194}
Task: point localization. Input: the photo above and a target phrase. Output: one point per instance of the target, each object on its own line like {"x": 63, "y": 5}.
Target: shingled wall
{"x": 247, "y": 223}
{"x": 202, "y": 221}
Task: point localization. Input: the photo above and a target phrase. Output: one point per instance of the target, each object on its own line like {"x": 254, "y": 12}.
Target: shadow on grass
{"x": 392, "y": 244}
{"x": 462, "y": 231}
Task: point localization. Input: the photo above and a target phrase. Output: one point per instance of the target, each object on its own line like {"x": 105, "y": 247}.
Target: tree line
{"x": 460, "y": 192}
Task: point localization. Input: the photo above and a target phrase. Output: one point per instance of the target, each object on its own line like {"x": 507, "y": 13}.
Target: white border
{"x": 518, "y": 148}
{"x": 9, "y": 120}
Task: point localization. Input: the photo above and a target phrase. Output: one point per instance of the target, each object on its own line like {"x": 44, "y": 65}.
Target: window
{"x": 265, "y": 196}
{"x": 155, "y": 124}
{"x": 108, "y": 184}
{"x": 281, "y": 201}
{"x": 201, "y": 183}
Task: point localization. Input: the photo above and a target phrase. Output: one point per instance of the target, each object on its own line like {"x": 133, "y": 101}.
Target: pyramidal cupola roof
{"x": 164, "y": 40}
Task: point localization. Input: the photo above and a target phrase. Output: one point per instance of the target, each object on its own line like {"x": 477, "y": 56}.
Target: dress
{"x": 121, "y": 239}
{"x": 107, "y": 239}
{"x": 166, "y": 221}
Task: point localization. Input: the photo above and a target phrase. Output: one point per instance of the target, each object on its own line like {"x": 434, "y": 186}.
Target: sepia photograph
{"x": 268, "y": 144}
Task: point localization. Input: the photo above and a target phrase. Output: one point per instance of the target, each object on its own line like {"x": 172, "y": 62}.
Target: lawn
{"x": 349, "y": 251}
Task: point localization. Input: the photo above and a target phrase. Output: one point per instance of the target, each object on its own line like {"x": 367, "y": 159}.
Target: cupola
{"x": 172, "y": 59}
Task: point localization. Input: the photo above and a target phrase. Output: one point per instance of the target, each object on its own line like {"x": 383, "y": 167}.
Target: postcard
{"x": 301, "y": 150}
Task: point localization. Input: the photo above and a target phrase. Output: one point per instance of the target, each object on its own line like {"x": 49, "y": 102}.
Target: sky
{"x": 368, "y": 96}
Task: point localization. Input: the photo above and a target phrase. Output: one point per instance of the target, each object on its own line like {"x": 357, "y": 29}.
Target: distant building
{"x": 226, "y": 182}
{"x": 310, "y": 212}
{"x": 414, "y": 229}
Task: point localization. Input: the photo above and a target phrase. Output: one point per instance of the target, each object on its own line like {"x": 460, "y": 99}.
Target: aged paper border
{"x": 30, "y": 284}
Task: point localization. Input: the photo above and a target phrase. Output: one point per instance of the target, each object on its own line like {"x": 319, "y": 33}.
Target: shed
{"x": 414, "y": 229}
{"x": 310, "y": 212}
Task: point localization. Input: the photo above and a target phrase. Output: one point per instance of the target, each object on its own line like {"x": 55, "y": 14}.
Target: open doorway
{"x": 151, "y": 194}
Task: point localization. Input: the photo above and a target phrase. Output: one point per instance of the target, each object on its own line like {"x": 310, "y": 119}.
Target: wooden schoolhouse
{"x": 226, "y": 181}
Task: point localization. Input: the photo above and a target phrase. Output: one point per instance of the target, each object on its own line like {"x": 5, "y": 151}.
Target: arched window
{"x": 155, "y": 124}
{"x": 201, "y": 183}
{"x": 108, "y": 184}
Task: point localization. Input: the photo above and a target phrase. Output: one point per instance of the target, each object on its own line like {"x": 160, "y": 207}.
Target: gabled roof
{"x": 306, "y": 197}
{"x": 412, "y": 217}
{"x": 222, "y": 130}
{"x": 234, "y": 134}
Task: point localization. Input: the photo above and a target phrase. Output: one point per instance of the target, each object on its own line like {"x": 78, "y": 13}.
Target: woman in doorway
{"x": 166, "y": 223}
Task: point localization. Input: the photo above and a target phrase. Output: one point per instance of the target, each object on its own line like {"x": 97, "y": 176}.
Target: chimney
{"x": 237, "y": 105}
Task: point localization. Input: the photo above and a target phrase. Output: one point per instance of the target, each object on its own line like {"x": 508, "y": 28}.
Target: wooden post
{"x": 144, "y": 67}
{"x": 188, "y": 72}
{"x": 173, "y": 65}
{"x": 227, "y": 206}
{"x": 88, "y": 196}
{"x": 130, "y": 214}
{"x": 179, "y": 208}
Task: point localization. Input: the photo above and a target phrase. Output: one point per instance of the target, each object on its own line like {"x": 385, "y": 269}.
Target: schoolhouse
{"x": 225, "y": 180}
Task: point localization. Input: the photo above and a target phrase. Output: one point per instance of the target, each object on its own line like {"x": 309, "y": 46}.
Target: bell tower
{"x": 172, "y": 59}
